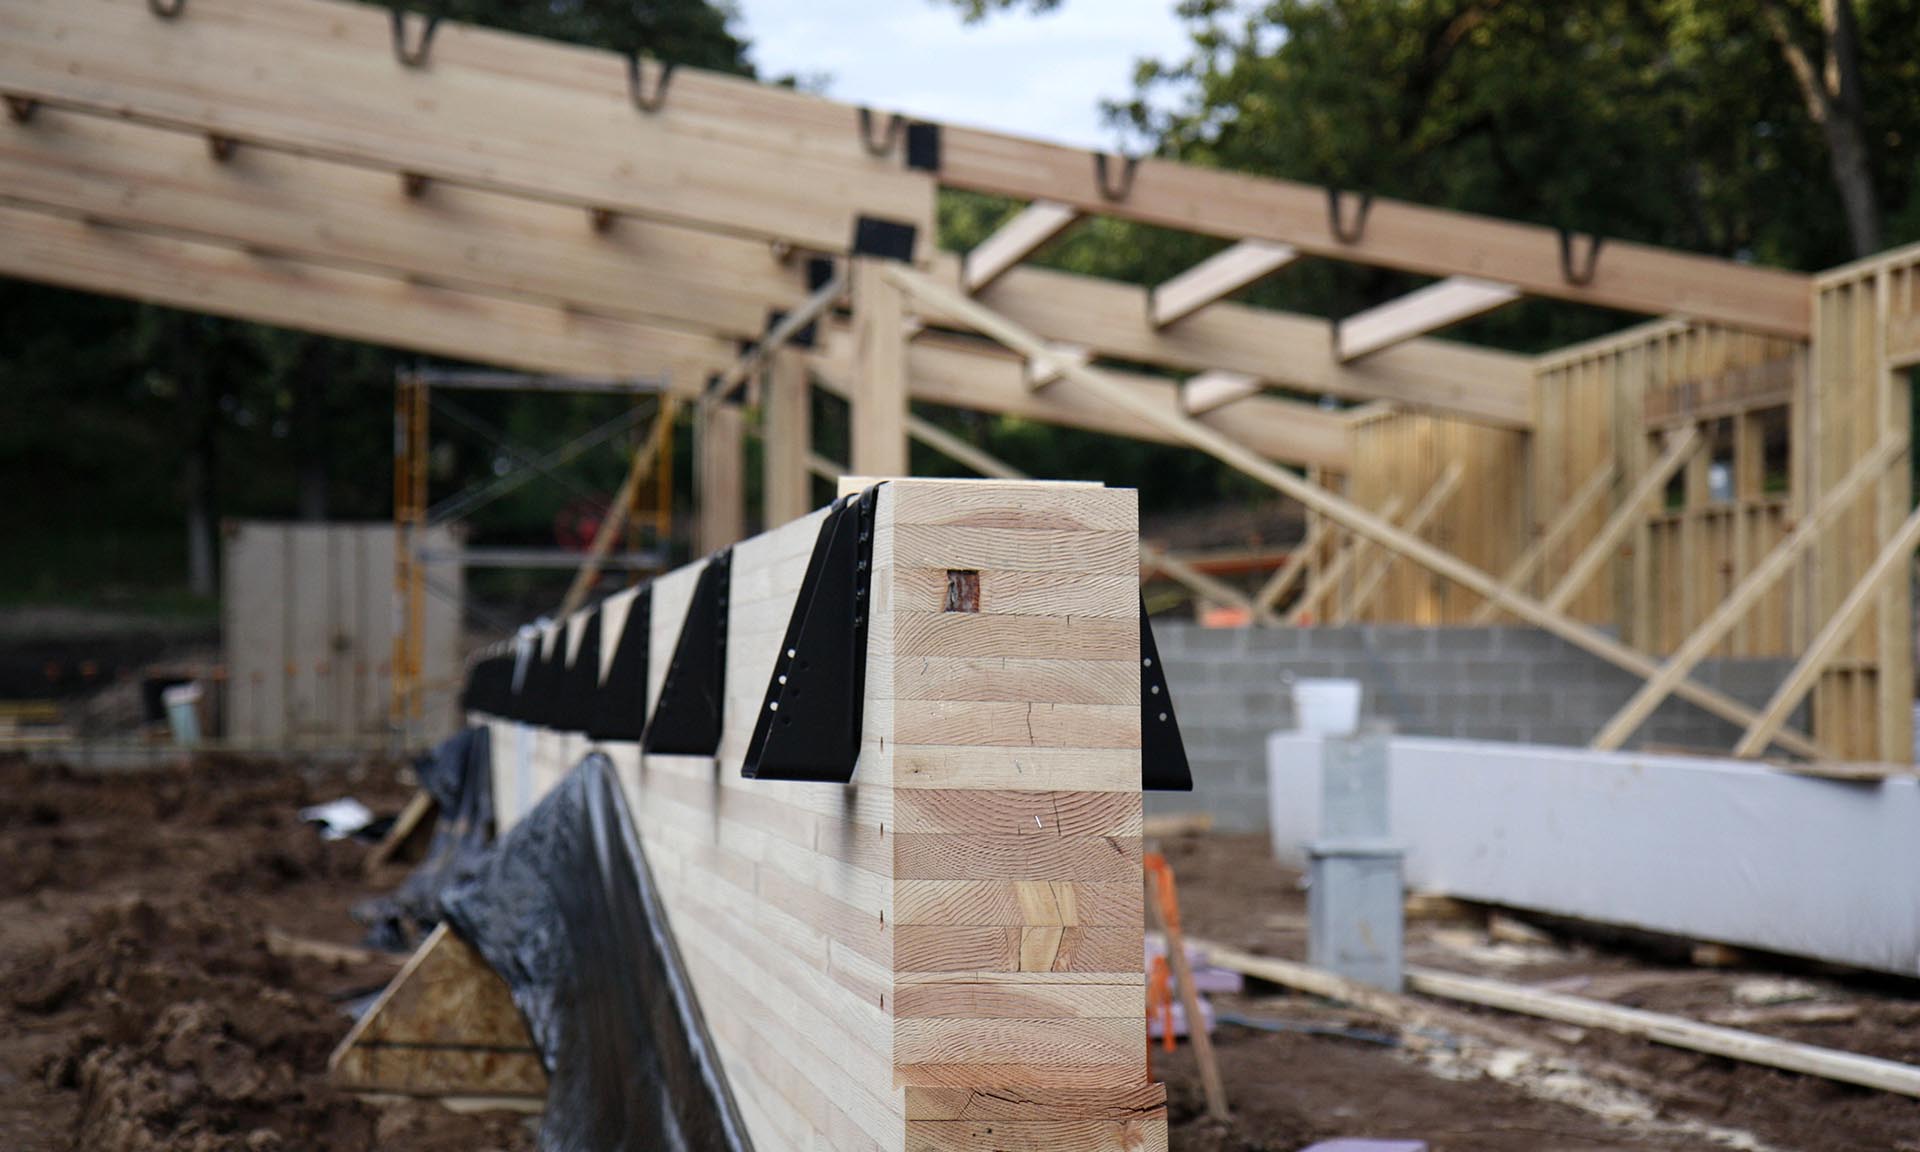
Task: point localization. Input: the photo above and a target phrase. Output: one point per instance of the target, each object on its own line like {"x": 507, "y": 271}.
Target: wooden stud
{"x": 720, "y": 480}
{"x": 1328, "y": 579}
{"x": 787, "y": 431}
{"x": 1682, "y": 448}
{"x": 878, "y": 377}
{"x": 1416, "y": 522}
{"x": 1563, "y": 523}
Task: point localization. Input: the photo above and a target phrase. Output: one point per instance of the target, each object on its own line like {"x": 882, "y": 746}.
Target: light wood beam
{"x": 1017, "y": 239}
{"x": 1417, "y": 313}
{"x": 1563, "y": 522}
{"x": 1215, "y": 278}
{"x": 354, "y": 218}
{"x": 1423, "y": 512}
{"x": 1348, "y": 515}
{"x": 1289, "y": 573}
{"x": 1209, "y": 390}
{"x": 1680, "y": 449}
{"x": 878, "y": 379}
{"x": 719, "y": 451}
{"x": 488, "y": 110}
{"x": 1355, "y": 549}
{"x": 1286, "y": 350}
{"x": 1390, "y": 233}
{"x": 351, "y": 305}
{"x": 965, "y": 372}
{"x": 786, "y": 427}
{"x": 1769, "y": 725}
{"x": 1763, "y": 577}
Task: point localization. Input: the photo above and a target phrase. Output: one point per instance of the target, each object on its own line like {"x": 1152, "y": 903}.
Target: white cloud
{"x": 1035, "y": 75}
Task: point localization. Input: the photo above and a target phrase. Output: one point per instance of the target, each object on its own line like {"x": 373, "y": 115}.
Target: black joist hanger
{"x": 809, "y": 723}
{"x": 619, "y": 709}
{"x": 686, "y": 719}
{"x": 1163, "y": 755}
{"x": 578, "y": 680}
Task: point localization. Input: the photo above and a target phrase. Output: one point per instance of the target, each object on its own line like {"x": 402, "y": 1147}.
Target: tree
{"x": 1833, "y": 93}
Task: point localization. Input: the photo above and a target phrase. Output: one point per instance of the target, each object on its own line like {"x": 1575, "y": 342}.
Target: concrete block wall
{"x": 1230, "y": 689}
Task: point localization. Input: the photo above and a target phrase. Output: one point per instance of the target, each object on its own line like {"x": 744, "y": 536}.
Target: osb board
{"x": 1483, "y": 523}
{"x": 946, "y": 953}
{"x": 446, "y": 1025}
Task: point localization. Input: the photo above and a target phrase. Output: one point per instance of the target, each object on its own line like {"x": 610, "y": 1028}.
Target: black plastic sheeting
{"x": 566, "y": 911}
{"x": 458, "y": 775}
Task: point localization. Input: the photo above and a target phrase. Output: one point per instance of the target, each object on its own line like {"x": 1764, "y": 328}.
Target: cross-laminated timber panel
{"x": 945, "y": 953}
{"x": 485, "y": 109}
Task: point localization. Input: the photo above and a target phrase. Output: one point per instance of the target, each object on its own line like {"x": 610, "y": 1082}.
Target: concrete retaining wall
{"x": 1230, "y": 687}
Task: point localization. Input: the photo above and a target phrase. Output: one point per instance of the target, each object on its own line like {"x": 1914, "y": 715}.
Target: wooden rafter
{"x": 1417, "y": 313}
{"x": 1356, "y": 519}
{"x": 1209, "y": 390}
{"x": 1215, "y": 278}
{"x": 1017, "y": 239}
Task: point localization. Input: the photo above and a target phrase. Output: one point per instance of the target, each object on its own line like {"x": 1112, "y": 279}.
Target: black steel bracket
{"x": 620, "y": 706}
{"x": 889, "y": 137}
{"x": 1345, "y": 231}
{"x": 648, "y": 102}
{"x": 809, "y": 728}
{"x": 923, "y": 146}
{"x": 416, "y": 55}
{"x": 686, "y": 719}
{"x": 1582, "y": 275}
{"x": 1163, "y": 755}
{"x": 1112, "y": 189}
{"x": 577, "y": 683}
{"x": 886, "y": 239}
{"x": 540, "y": 688}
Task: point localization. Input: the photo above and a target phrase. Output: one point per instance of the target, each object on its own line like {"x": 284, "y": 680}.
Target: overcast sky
{"x": 1036, "y": 75}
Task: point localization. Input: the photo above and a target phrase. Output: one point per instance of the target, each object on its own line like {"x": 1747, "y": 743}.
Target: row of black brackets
{"x": 810, "y": 726}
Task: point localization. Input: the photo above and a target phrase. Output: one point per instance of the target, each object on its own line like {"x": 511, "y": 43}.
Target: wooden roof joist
{"x": 339, "y": 214}
{"x": 1417, "y": 313}
{"x": 1014, "y": 241}
{"x": 1387, "y": 233}
{"x": 1216, "y": 278}
{"x": 488, "y": 110}
{"x": 1286, "y": 350}
{"x": 964, "y": 372}
{"x": 386, "y": 310}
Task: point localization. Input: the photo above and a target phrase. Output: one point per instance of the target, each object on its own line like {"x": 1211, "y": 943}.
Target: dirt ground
{"x": 147, "y": 1005}
{"x": 1533, "y": 1085}
{"x": 143, "y": 1007}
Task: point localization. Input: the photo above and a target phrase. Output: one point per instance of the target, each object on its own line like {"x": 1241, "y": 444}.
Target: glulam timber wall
{"x": 944, "y": 954}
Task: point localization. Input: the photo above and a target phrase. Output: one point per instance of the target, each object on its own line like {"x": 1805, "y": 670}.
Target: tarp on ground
{"x": 458, "y": 774}
{"x": 566, "y": 911}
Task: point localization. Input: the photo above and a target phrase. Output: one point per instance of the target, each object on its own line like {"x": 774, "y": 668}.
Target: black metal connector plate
{"x": 923, "y": 146}
{"x": 620, "y": 706}
{"x": 489, "y": 686}
{"x": 809, "y": 726}
{"x": 541, "y": 687}
{"x": 686, "y": 719}
{"x": 885, "y": 239}
{"x": 1163, "y": 755}
{"x": 579, "y": 680}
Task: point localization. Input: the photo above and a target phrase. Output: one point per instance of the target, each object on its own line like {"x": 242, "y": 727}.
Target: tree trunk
{"x": 1831, "y": 90}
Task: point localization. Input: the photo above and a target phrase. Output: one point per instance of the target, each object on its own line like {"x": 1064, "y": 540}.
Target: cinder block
{"x": 1463, "y": 640}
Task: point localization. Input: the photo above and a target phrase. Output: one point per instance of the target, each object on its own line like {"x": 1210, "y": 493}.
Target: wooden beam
{"x": 351, "y": 305}
{"x": 1429, "y": 506}
{"x": 1348, "y": 515}
{"x": 1680, "y": 449}
{"x": 878, "y": 379}
{"x": 1349, "y": 555}
{"x": 489, "y": 110}
{"x": 786, "y": 431}
{"x": 1387, "y": 233}
{"x": 1158, "y": 559}
{"x": 1563, "y": 522}
{"x": 719, "y": 456}
{"x": 1017, "y": 239}
{"x": 1209, "y": 390}
{"x": 1215, "y": 278}
{"x": 1738, "y": 602}
{"x": 350, "y": 217}
{"x": 1289, "y": 573}
{"x": 1675, "y": 1031}
{"x": 1768, "y": 725}
{"x": 1417, "y": 313}
{"x": 964, "y": 372}
{"x": 1286, "y": 350}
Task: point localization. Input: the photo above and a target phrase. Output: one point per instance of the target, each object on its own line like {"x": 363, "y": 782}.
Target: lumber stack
{"x": 945, "y": 954}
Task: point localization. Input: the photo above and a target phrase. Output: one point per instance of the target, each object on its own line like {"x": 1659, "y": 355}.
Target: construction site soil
{"x": 168, "y": 986}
